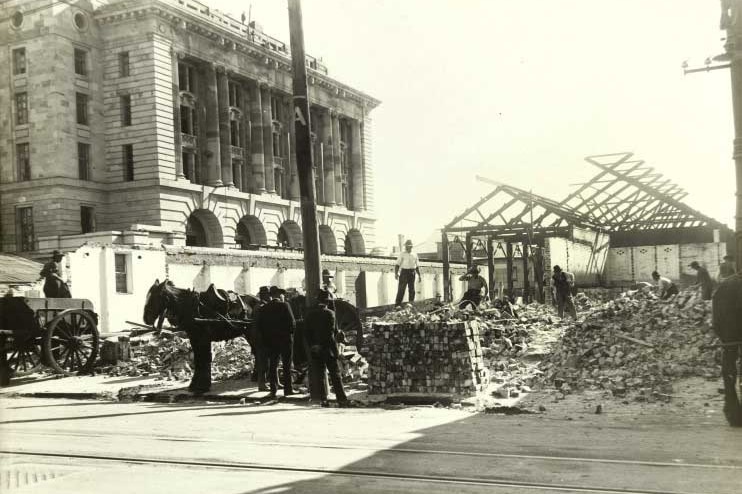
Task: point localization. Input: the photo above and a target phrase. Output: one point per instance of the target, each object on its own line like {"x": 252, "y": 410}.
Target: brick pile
{"x": 425, "y": 356}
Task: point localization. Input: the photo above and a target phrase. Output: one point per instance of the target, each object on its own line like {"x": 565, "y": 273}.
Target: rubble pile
{"x": 425, "y": 356}
{"x": 168, "y": 355}
{"x": 635, "y": 343}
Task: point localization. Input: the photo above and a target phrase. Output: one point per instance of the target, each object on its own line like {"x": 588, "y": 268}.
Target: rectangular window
{"x": 81, "y": 62}
{"x": 234, "y": 94}
{"x": 186, "y": 78}
{"x": 128, "y": 152}
{"x": 87, "y": 219}
{"x": 126, "y": 110}
{"x": 82, "y": 108}
{"x": 21, "y": 108}
{"x": 23, "y": 161}
{"x": 124, "y": 64}
{"x": 185, "y": 120}
{"x": 83, "y": 161}
{"x": 121, "y": 273}
{"x": 24, "y": 229}
{"x": 234, "y": 133}
{"x": 19, "y": 61}
{"x": 275, "y": 109}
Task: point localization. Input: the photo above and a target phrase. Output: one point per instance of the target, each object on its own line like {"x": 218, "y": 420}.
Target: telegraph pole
{"x": 730, "y": 20}
{"x": 305, "y": 168}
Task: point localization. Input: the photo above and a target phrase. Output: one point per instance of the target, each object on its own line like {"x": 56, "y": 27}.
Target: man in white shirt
{"x": 404, "y": 271}
{"x": 665, "y": 287}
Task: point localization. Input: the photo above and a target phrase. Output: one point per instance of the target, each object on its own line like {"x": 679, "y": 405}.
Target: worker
{"x": 475, "y": 284}
{"x": 727, "y": 268}
{"x": 563, "y": 283}
{"x": 256, "y": 343}
{"x": 323, "y": 348}
{"x": 276, "y": 325}
{"x": 665, "y": 287}
{"x": 703, "y": 280}
{"x": 727, "y": 324}
{"x": 54, "y": 284}
{"x": 404, "y": 271}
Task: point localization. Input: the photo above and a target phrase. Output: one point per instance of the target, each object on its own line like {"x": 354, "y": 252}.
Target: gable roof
{"x": 18, "y": 270}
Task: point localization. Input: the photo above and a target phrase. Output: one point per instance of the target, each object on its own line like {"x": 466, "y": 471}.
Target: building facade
{"x": 168, "y": 117}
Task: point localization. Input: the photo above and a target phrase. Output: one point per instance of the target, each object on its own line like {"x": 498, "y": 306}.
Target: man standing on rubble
{"x": 54, "y": 284}
{"x": 475, "y": 283}
{"x": 563, "y": 291}
{"x": 276, "y": 325}
{"x": 703, "y": 279}
{"x": 323, "y": 347}
{"x": 665, "y": 287}
{"x": 409, "y": 264}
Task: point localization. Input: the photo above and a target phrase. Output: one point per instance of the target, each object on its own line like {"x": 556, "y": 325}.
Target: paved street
{"x": 89, "y": 446}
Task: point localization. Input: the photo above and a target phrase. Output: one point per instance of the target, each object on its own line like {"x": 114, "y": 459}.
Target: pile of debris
{"x": 635, "y": 344}
{"x": 425, "y": 357}
{"x": 168, "y": 355}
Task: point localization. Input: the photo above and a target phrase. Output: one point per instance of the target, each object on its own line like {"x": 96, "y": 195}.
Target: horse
{"x": 213, "y": 315}
{"x": 727, "y": 324}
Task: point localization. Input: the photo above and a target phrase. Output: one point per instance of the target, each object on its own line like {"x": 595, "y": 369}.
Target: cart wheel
{"x": 71, "y": 342}
{"x": 24, "y": 357}
{"x": 348, "y": 321}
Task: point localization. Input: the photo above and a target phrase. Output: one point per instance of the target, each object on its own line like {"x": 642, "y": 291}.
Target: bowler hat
{"x": 56, "y": 253}
{"x": 326, "y": 273}
{"x": 694, "y": 264}
{"x": 408, "y": 242}
{"x": 275, "y": 291}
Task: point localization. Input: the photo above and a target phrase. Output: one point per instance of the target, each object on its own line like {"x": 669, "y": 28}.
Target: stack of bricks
{"x": 425, "y": 357}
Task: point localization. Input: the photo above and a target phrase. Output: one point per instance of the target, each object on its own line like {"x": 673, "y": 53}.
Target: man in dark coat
{"x": 563, "y": 293}
{"x": 276, "y": 325}
{"x": 54, "y": 285}
{"x": 320, "y": 335}
{"x": 256, "y": 342}
{"x": 727, "y": 324}
{"x": 703, "y": 279}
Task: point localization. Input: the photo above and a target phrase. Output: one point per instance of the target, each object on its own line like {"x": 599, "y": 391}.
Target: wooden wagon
{"x": 61, "y": 333}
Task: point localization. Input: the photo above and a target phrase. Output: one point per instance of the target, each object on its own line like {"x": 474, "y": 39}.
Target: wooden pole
{"x": 526, "y": 281}
{"x": 491, "y": 266}
{"x": 446, "y": 268}
{"x": 509, "y": 254}
{"x": 305, "y": 171}
{"x": 469, "y": 251}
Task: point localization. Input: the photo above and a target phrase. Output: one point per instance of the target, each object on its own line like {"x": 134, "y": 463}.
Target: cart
{"x": 61, "y": 333}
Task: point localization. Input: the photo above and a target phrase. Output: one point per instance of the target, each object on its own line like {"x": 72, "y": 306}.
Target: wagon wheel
{"x": 71, "y": 341}
{"x": 24, "y": 357}
{"x": 348, "y": 321}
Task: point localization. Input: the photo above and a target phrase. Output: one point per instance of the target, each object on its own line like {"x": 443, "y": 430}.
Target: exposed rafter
{"x": 629, "y": 195}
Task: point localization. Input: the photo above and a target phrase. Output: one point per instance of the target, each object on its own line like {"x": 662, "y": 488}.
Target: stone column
{"x": 256, "y": 139}
{"x": 339, "y": 199}
{"x": 224, "y": 134}
{"x": 328, "y": 165}
{"x": 176, "y": 117}
{"x": 247, "y": 181}
{"x": 270, "y": 185}
{"x": 356, "y": 167}
{"x": 213, "y": 170}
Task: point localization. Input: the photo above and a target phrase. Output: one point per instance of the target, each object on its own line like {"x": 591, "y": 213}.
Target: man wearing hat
{"x": 474, "y": 285}
{"x": 327, "y": 283}
{"x": 256, "y": 340}
{"x": 323, "y": 347}
{"x": 563, "y": 292}
{"x": 404, "y": 271}
{"x": 54, "y": 286}
{"x": 703, "y": 279}
{"x": 276, "y": 324}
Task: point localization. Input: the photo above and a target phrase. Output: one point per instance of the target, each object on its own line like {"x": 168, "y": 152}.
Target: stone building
{"x": 171, "y": 118}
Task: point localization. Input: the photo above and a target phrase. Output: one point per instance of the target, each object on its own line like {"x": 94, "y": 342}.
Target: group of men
{"x": 666, "y": 288}
{"x": 275, "y": 330}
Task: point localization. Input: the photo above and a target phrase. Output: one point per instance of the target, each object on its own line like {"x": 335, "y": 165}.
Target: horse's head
{"x": 157, "y": 301}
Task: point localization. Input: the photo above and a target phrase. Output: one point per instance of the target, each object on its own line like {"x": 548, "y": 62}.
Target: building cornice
{"x": 228, "y": 37}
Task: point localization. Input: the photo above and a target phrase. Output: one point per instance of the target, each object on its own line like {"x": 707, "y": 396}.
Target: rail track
{"x": 381, "y": 475}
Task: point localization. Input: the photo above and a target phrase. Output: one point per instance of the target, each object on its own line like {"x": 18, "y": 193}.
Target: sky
{"x": 521, "y": 92}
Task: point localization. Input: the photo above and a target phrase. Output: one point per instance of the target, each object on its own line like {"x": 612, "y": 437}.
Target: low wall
{"x": 428, "y": 358}
{"x": 116, "y": 277}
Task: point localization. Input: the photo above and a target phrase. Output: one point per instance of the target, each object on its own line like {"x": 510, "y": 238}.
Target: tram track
{"x": 353, "y": 473}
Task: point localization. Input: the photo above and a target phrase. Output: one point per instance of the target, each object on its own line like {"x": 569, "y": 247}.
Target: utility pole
{"x": 305, "y": 168}
{"x": 730, "y": 20}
